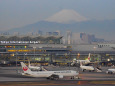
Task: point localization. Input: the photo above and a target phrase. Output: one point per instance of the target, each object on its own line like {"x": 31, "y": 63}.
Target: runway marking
{"x": 49, "y": 83}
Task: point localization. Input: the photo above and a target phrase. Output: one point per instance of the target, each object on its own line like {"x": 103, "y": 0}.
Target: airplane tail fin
{"x": 25, "y": 68}
{"x": 89, "y": 57}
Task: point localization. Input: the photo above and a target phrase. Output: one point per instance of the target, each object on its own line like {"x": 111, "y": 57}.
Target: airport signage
{"x": 19, "y": 42}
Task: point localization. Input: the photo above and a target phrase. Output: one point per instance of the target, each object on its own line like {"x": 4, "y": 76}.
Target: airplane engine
{"x": 60, "y": 76}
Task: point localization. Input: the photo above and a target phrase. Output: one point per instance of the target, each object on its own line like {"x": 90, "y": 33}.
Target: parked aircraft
{"x": 90, "y": 68}
{"x": 5, "y": 63}
{"x": 110, "y": 71}
{"x": 48, "y": 74}
{"x": 33, "y": 67}
{"x": 81, "y": 61}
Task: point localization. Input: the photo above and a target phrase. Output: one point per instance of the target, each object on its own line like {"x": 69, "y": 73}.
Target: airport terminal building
{"x": 35, "y": 48}
{"x": 48, "y": 49}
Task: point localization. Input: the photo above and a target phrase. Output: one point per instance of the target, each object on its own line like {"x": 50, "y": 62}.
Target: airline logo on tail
{"x": 89, "y": 57}
{"x": 25, "y": 68}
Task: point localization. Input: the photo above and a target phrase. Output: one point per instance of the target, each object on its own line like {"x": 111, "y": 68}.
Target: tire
{"x": 83, "y": 70}
{"x": 111, "y": 72}
{"x": 56, "y": 78}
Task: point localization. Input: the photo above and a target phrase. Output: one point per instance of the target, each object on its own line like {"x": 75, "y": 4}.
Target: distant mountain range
{"x": 70, "y": 20}
{"x": 96, "y": 27}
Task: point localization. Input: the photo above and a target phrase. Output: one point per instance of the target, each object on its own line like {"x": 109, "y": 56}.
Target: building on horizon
{"x": 69, "y": 37}
{"x": 84, "y": 38}
{"x": 56, "y": 33}
{"x": 40, "y": 32}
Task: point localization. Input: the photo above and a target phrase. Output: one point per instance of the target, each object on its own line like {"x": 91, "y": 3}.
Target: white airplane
{"x": 90, "y": 68}
{"x": 48, "y": 74}
{"x": 33, "y": 67}
{"x": 81, "y": 61}
{"x": 110, "y": 71}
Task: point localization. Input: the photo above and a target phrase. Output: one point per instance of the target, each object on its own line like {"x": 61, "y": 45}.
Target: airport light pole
{"x": 78, "y": 55}
{"x": 34, "y": 53}
{"x": 69, "y": 58}
{"x": 24, "y": 56}
{"x": 52, "y": 55}
{"x": 94, "y": 52}
{"x": 16, "y": 63}
{"x": 66, "y": 57}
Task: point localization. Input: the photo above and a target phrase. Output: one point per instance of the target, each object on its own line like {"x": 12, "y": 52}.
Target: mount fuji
{"x": 66, "y": 16}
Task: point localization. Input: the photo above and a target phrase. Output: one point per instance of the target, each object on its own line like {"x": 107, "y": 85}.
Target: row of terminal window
{"x": 100, "y": 46}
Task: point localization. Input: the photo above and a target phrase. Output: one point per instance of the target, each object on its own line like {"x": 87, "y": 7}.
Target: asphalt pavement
{"x": 12, "y": 76}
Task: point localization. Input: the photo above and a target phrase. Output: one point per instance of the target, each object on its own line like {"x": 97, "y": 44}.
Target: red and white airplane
{"x": 110, "y": 71}
{"x": 48, "y": 74}
{"x": 33, "y": 67}
{"x": 81, "y": 61}
{"x": 90, "y": 68}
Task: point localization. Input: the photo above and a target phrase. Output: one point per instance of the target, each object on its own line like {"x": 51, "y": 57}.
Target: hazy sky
{"x": 17, "y": 13}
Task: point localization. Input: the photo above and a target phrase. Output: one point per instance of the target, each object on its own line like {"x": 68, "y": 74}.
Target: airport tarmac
{"x": 9, "y": 75}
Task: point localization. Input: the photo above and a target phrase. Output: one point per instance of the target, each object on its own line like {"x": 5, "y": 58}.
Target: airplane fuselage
{"x": 49, "y": 73}
{"x": 87, "y": 68}
{"x": 111, "y": 71}
{"x": 34, "y": 67}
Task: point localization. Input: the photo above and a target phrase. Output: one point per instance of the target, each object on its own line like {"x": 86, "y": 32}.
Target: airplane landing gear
{"x": 54, "y": 77}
